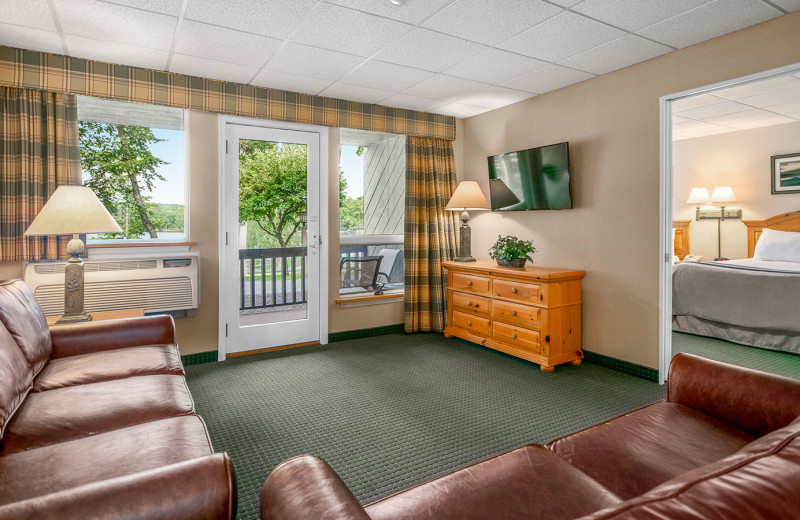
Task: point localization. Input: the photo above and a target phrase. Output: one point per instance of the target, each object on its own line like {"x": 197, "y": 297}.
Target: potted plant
{"x": 511, "y": 252}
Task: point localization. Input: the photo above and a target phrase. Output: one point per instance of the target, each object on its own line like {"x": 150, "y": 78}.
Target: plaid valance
{"x": 55, "y": 73}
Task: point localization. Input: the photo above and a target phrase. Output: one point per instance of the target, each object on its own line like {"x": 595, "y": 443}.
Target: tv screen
{"x": 537, "y": 178}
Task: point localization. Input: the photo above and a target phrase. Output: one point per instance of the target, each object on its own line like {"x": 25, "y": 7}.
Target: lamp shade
{"x": 468, "y": 195}
{"x": 723, "y": 194}
{"x": 72, "y": 210}
{"x": 699, "y": 196}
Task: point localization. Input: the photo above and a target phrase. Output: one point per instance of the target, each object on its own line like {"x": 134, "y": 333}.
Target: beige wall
{"x": 740, "y": 160}
{"x": 10, "y": 270}
{"x": 612, "y": 125}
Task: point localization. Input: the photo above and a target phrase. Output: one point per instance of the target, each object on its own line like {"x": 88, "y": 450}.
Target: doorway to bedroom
{"x": 730, "y": 169}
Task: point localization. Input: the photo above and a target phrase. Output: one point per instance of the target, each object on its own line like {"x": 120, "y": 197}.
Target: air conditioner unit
{"x": 152, "y": 283}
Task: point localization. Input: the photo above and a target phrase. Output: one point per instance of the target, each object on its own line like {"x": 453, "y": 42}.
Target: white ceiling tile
{"x": 616, "y": 54}
{"x": 494, "y": 66}
{"x": 790, "y": 5}
{"x": 446, "y": 88}
{"x": 759, "y": 87}
{"x": 171, "y": 7}
{"x": 679, "y": 135}
{"x": 428, "y": 50}
{"x": 116, "y": 53}
{"x": 223, "y": 44}
{"x": 27, "y": 38}
{"x": 355, "y": 93}
{"x": 679, "y": 119}
{"x": 278, "y": 18}
{"x": 549, "y": 78}
{"x": 717, "y": 109}
{"x": 385, "y": 76}
{"x": 290, "y": 82}
{"x": 560, "y": 37}
{"x": 212, "y": 69}
{"x": 791, "y": 109}
{"x": 759, "y": 123}
{"x": 27, "y": 13}
{"x": 565, "y": 3}
{"x": 413, "y": 12}
{"x": 709, "y": 21}
{"x": 745, "y": 115}
{"x": 694, "y": 126}
{"x": 495, "y": 97}
{"x": 623, "y": 14}
{"x": 313, "y": 62}
{"x": 412, "y": 102}
{"x": 695, "y": 102}
{"x": 116, "y": 23}
{"x": 461, "y": 111}
{"x": 775, "y": 97}
{"x": 490, "y": 22}
{"x": 345, "y": 30}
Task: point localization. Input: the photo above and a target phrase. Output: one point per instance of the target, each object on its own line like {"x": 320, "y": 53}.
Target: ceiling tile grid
{"x": 456, "y": 57}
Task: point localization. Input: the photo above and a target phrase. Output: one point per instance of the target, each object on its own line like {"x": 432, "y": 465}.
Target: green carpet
{"x": 394, "y": 411}
{"x": 781, "y": 363}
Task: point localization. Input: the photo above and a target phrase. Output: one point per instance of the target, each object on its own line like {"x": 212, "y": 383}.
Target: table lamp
{"x": 721, "y": 195}
{"x": 700, "y": 197}
{"x": 73, "y": 210}
{"x": 468, "y": 196}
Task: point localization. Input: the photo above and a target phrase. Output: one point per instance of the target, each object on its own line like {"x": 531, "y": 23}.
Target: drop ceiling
{"x": 455, "y": 57}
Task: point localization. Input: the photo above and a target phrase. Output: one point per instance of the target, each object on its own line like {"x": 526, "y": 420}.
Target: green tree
{"x": 120, "y": 164}
{"x": 351, "y": 215}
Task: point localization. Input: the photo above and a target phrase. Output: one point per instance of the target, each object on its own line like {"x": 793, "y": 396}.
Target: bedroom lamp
{"x": 73, "y": 210}
{"x": 698, "y": 196}
{"x": 723, "y": 195}
{"x": 468, "y": 196}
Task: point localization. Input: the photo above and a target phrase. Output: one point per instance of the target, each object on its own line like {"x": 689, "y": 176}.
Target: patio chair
{"x": 359, "y": 273}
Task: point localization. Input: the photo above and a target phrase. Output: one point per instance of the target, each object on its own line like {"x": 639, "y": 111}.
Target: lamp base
{"x": 74, "y": 318}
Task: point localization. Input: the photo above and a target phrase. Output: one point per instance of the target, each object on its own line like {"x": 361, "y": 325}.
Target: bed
{"x": 752, "y": 301}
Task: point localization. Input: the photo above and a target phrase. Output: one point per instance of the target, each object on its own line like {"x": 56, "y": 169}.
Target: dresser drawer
{"x": 474, "y": 324}
{"x": 470, "y": 303}
{"x": 512, "y": 289}
{"x": 517, "y": 336}
{"x": 470, "y": 282}
{"x": 517, "y": 314}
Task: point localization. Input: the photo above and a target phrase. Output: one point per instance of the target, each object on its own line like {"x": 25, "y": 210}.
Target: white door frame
{"x": 665, "y": 214}
{"x": 223, "y": 120}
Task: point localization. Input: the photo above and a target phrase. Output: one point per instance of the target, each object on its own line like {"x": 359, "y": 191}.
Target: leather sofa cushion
{"x": 109, "y": 365}
{"x": 15, "y": 377}
{"x": 80, "y": 411}
{"x": 22, "y": 316}
{"x": 633, "y": 453}
{"x": 529, "y": 482}
{"x": 125, "y": 451}
{"x": 760, "y": 481}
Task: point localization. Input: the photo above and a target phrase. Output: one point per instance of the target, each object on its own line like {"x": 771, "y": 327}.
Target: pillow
{"x": 778, "y": 246}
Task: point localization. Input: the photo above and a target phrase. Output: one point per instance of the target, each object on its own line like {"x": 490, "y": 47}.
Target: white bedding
{"x": 767, "y": 264}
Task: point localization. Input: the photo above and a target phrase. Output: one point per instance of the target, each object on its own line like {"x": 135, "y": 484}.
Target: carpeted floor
{"x": 781, "y": 363}
{"x": 393, "y": 411}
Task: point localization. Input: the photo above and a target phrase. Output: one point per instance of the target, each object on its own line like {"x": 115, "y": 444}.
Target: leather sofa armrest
{"x": 196, "y": 489}
{"x": 307, "y": 487}
{"x": 94, "y": 336}
{"x": 755, "y": 401}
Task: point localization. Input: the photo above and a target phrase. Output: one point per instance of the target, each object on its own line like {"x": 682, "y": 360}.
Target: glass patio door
{"x": 272, "y": 226}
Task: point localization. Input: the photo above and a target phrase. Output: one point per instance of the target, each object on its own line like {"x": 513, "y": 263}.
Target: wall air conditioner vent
{"x": 152, "y": 284}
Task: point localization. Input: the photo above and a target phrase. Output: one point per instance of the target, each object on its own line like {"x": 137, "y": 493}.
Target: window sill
{"x": 116, "y": 250}
{"x": 359, "y": 300}
{"x": 98, "y": 245}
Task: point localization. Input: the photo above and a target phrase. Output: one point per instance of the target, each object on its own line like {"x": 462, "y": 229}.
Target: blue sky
{"x": 353, "y": 167}
{"x": 170, "y": 191}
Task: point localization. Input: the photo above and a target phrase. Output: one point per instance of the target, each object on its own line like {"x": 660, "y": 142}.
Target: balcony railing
{"x": 274, "y": 277}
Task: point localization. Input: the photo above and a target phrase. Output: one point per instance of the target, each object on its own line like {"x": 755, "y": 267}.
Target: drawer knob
{"x": 469, "y": 302}
{"x": 513, "y": 290}
{"x": 513, "y": 313}
{"x": 469, "y": 323}
{"x": 513, "y": 335}
{"x": 469, "y": 283}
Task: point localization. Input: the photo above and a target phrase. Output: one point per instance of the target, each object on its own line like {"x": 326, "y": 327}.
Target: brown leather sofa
{"x": 725, "y": 444}
{"x": 96, "y": 421}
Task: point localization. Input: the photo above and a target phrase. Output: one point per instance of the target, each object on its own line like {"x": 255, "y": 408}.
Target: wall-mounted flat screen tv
{"x": 537, "y": 178}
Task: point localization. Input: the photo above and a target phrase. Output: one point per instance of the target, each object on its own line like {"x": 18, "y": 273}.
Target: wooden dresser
{"x": 532, "y": 313}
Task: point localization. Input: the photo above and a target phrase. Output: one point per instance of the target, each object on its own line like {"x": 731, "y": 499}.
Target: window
{"x": 132, "y": 156}
{"x": 371, "y": 211}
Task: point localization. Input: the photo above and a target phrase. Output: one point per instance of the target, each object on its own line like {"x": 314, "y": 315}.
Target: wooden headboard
{"x": 681, "y": 245}
{"x": 783, "y": 222}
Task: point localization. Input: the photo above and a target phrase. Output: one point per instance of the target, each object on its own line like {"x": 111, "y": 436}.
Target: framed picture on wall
{"x": 786, "y": 173}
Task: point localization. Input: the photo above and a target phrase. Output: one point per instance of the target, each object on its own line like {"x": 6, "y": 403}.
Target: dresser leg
{"x": 575, "y": 362}
{"x": 547, "y": 369}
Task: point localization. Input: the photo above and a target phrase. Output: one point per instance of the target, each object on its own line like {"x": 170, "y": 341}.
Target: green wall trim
{"x": 626, "y": 367}
{"x": 200, "y": 358}
{"x": 333, "y": 337}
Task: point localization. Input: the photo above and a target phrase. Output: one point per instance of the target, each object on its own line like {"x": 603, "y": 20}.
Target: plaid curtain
{"x": 430, "y": 231}
{"x": 39, "y": 151}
